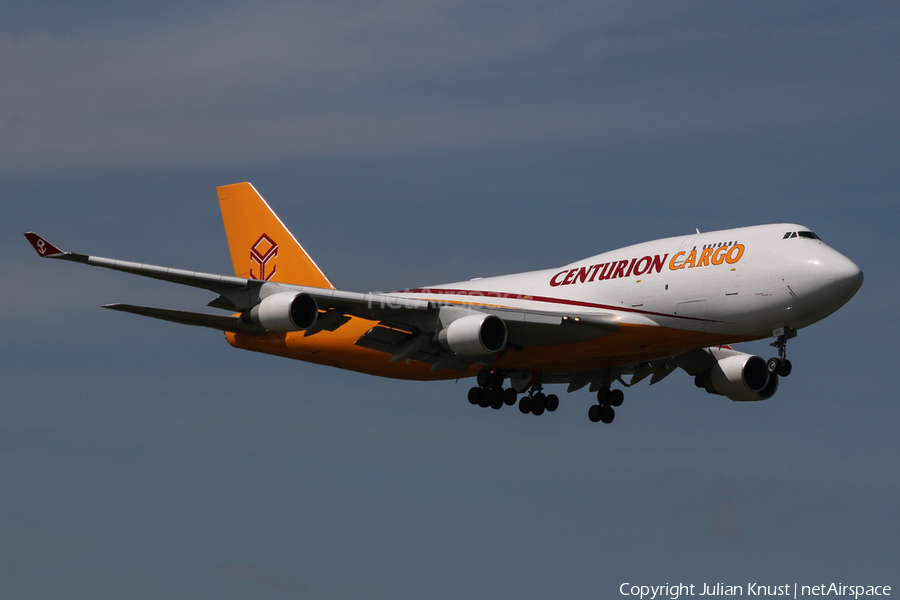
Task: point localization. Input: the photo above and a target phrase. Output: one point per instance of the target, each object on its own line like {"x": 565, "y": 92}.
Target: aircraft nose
{"x": 828, "y": 282}
{"x": 849, "y": 277}
{"x": 845, "y": 278}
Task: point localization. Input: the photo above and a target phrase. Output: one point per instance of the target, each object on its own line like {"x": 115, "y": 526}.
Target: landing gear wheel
{"x": 538, "y": 401}
{"x": 616, "y": 397}
{"x": 552, "y": 402}
{"x": 495, "y": 379}
{"x": 537, "y": 410}
{"x": 475, "y": 395}
{"x": 603, "y": 397}
{"x": 495, "y": 398}
{"x": 781, "y": 366}
{"x": 509, "y": 396}
{"x": 594, "y": 413}
{"x": 525, "y": 405}
{"x": 607, "y": 414}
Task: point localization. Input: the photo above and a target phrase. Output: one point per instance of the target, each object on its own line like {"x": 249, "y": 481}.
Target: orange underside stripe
{"x": 630, "y": 344}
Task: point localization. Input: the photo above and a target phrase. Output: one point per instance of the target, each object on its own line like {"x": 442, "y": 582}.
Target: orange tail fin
{"x": 261, "y": 246}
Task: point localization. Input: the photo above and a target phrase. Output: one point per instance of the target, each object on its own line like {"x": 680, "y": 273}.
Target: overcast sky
{"x": 408, "y": 144}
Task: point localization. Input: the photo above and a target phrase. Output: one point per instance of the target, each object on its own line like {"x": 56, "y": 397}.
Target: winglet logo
{"x": 262, "y": 252}
{"x": 43, "y": 247}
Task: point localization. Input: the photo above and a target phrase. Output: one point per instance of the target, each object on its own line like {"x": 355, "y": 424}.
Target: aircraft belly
{"x": 338, "y": 349}
{"x": 631, "y": 344}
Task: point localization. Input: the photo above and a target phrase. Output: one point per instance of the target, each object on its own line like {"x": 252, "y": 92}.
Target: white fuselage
{"x": 746, "y": 281}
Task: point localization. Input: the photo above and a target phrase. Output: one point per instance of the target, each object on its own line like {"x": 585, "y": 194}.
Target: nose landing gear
{"x": 780, "y": 365}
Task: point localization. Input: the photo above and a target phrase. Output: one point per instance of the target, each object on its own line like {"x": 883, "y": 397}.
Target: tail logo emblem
{"x": 262, "y": 253}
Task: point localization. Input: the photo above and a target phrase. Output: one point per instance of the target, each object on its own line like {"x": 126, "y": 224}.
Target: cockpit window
{"x": 804, "y": 234}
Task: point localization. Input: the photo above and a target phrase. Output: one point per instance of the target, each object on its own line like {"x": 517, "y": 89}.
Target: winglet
{"x": 42, "y": 246}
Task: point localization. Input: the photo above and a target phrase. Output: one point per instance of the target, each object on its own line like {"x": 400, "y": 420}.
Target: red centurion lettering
{"x": 607, "y": 271}
{"x": 610, "y": 270}
{"x": 553, "y": 280}
{"x": 620, "y": 269}
{"x": 630, "y": 267}
{"x": 638, "y": 269}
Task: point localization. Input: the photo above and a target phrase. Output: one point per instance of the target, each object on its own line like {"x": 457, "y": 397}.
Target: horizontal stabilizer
{"x": 220, "y": 322}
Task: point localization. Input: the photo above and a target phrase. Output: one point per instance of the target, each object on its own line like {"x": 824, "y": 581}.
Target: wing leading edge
{"x": 405, "y": 326}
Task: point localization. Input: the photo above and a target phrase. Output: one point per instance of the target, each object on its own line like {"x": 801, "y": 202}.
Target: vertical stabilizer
{"x": 261, "y": 246}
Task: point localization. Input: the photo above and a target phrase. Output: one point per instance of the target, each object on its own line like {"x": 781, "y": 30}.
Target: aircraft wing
{"x": 405, "y": 325}
{"x": 367, "y": 305}
{"x": 202, "y": 280}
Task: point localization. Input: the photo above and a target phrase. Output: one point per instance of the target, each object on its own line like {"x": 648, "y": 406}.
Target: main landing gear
{"x": 606, "y": 400}
{"x": 536, "y": 402}
{"x": 780, "y": 365}
{"x": 490, "y": 391}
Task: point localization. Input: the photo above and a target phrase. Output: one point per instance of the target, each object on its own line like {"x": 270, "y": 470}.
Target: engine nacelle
{"x": 739, "y": 377}
{"x": 285, "y": 311}
{"x": 474, "y": 335}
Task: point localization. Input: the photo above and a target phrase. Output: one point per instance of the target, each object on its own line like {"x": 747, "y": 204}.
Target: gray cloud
{"x": 287, "y": 82}
{"x": 289, "y": 585}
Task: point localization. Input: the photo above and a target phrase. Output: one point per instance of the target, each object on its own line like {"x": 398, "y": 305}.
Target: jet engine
{"x": 740, "y": 377}
{"x": 285, "y": 311}
{"x": 474, "y": 335}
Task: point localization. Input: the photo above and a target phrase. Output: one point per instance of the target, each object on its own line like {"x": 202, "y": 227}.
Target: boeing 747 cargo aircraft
{"x": 613, "y": 319}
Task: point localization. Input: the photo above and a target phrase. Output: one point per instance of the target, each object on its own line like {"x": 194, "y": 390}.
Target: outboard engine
{"x": 285, "y": 311}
